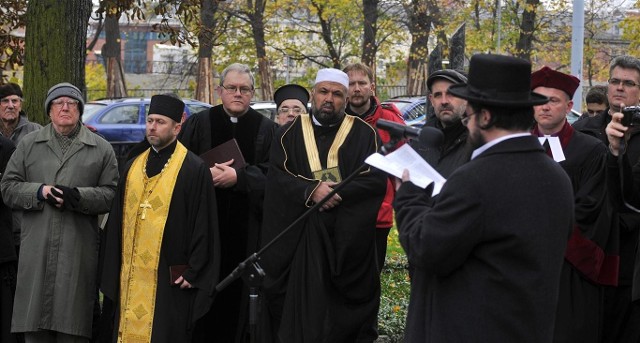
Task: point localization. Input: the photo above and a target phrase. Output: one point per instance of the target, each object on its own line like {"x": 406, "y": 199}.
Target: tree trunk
{"x": 419, "y": 27}
{"x": 264, "y": 67}
{"x": 204, "y": 83}
{"x": 527, "y": 27}
{"x": 55, "y": 43}
{"x": 369, "y": 46}
{"x": 116, "y": 87}
{"x": 327, "y": 35}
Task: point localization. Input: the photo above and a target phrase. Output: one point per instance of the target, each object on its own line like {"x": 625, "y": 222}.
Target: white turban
{"x": 332, "y": 75}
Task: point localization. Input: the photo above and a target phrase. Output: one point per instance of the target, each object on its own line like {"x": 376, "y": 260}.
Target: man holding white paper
{"x": 487, "y": 255}
{"x": 589, "y": 263}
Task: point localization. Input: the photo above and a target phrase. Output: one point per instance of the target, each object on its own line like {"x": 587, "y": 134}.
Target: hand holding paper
{"x": 421, "y": 173}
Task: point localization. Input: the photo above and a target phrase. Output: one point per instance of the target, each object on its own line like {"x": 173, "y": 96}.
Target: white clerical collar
{"x": 488, "y": 145}
{"x": 554, "y": 146}
{"x": 234, "y": 119}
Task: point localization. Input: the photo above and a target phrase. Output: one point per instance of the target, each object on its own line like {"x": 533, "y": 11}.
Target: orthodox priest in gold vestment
{"x": 160, "y": 255}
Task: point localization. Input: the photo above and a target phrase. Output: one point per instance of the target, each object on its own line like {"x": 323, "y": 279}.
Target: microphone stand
{"x": 250, "y": 270}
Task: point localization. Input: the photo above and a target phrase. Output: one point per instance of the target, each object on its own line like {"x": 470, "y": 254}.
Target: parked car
{"x": 123, "y": 120}
{"x": 413, "y": 108}
{"x": 573, "y": 116}
{"x": 267, "y": 108}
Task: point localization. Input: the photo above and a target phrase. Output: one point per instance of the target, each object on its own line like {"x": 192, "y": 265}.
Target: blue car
{"x": 413, "y": 108}
{"x": 122, "y": 121}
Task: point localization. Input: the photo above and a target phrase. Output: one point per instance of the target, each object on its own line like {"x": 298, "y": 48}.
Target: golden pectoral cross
{"x": 145, "y": 205}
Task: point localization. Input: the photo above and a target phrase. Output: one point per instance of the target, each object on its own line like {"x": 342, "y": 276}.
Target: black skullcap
{"x": 168, "y": 106}
{"x": 291, "y": 91}
{"x": 10, "y": 89}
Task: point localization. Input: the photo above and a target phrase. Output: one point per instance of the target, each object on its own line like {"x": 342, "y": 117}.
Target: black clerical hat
{"x": 291, "y": 91}
{"x": 167, "y": 105}
{"x": 498, "y": 80}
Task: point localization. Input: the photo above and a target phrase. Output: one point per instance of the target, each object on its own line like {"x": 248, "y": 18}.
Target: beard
{"x": 454, "y": 117}
{"x": 327, "y": 114}
{"x": 159, "y": 142}
{"x": 476, "y": 139}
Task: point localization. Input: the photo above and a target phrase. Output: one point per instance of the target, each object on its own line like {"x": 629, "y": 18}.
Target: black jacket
{"x": 488, "y": 254}
{"x": 452, "y": 153}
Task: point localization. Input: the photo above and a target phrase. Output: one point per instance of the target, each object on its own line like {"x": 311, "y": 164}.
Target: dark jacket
{"x": 628, "y": 222}
{"x": 376, "y": 112}
{"x": 487, "y": 256}
{"x": 452, "y": 153}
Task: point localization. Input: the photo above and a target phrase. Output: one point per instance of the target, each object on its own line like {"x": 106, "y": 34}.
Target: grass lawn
{"x": 395, "y": 291}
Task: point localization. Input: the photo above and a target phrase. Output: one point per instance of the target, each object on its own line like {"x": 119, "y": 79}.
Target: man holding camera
{"x": 623, "y": 91}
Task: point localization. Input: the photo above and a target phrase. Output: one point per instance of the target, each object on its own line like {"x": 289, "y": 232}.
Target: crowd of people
{"x": 533, "y": 237}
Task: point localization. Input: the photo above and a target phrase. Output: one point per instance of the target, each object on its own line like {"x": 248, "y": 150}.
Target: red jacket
{"x": 387, "y": 112}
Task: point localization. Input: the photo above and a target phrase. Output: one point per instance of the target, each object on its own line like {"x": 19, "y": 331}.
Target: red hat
{"x": 547, "y": 77}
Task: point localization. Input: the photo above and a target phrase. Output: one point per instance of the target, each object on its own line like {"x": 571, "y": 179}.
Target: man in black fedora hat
{"x": 487, "y": 254}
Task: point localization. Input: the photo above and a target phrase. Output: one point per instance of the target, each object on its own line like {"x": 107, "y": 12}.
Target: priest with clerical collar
{"x": 161, "y": 255}
{"x": 326, "y": 264}
{"x": 591, "y": 256}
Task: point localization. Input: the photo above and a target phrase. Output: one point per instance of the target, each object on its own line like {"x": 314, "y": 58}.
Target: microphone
{"x": 427, "y": 136}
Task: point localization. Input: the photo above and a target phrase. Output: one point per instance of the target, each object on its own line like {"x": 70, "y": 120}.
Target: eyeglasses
{"x": 625, "y": 83}
{"x": 234, "y": 89}
{"x": 466, "y": 117}
{"x": 7, "y": 101}
{"x": 287, "y": 110}
{"x": 61, "y": 103}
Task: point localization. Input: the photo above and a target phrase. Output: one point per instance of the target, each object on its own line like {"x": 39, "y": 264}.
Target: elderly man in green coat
{"x": 62, "y": 177}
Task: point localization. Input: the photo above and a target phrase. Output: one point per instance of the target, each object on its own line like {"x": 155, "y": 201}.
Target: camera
{"x": 631, "y": 116}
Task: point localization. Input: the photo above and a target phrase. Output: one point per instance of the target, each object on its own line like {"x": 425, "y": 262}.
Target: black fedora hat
{"x": 498, "y": 80}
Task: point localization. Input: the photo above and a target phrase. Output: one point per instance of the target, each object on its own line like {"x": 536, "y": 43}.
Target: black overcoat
{"x": 487, "y": 256}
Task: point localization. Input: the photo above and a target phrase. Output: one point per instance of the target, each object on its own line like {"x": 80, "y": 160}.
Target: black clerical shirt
{"x": 157, "y": 159}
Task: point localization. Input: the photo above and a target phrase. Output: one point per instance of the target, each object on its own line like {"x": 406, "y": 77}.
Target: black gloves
{"x": 51, "y": 200}
{"x": 71, "y": 197}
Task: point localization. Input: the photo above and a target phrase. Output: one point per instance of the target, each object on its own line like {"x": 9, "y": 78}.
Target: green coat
{"x": 59, "y": 249}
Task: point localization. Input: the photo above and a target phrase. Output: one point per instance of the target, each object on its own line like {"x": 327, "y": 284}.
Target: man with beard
{"x": 623, "y": 90}
{"x": 588, "y": 264}
{"x": 365, "y": 105}
{"x": 161, "y": 252}
{"x": 487, "y": 255}
{"x": 322, "y": 279}
{"x": 239, "y": 191}
{"x": 454, "y": 150}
